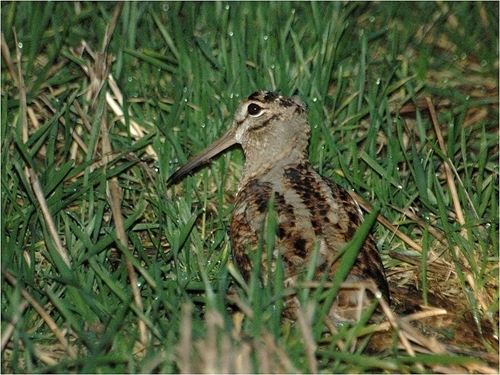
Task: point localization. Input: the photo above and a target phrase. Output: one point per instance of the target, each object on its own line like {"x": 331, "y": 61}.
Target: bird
{"x": 311, "y": 211}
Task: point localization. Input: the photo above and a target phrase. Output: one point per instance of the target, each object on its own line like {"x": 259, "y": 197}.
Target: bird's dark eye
{"x": 254, "y": 109}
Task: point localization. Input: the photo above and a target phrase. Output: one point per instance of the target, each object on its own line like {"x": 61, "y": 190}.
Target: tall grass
{"x": 105, "y": 269}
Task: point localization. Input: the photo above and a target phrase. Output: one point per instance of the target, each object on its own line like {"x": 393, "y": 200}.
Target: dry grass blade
{"x": 44, "y": 315}
{"x": 117, "y": 107}
{"x": 368, "y": 208}
{"x": 304, "y": 318}
{"x": 184, "y": 347}
{"x": 111, "y": 27}
{"x": 408, "y": 333}
{"x": 268, "y": 338}
{"x": 447, "y": 163}
{"x": 439, "y": 236}
{"x": 114, "y": 194}
{"x": 31, "y": 175}
{"x": 9, "y": 329}
{"x": 450, "y": 172}
{"x": 98, "y": 74}
{"x": 37, "y": 189}
{"x": 370, "y": 285}
{"x": 8, "y": 61}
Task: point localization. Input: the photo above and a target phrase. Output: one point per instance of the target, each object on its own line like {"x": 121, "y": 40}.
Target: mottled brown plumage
{"x": 310, "y": 209}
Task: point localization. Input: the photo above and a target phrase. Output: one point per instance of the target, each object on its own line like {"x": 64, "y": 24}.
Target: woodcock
{"x": 311, "y": 210}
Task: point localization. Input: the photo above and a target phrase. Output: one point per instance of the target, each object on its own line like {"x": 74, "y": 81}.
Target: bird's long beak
{"x": 225, "y": 141}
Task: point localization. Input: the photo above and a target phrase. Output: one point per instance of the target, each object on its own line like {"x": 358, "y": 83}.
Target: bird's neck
{"x": 270, "y": 167}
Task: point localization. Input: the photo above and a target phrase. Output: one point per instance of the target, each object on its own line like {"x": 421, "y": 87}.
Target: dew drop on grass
{"x": 266, "y": 37}
{"x": 484, "y": 63}
{"x": 231, "y": 33}
{"x": 130, "y": 79}
{"x": 227, "y": 7}
{"x": 20, "y": 45}
{"x": 463, "y": 56}
{"x": 371, "y": 19}
{"x": 378, "y": 81}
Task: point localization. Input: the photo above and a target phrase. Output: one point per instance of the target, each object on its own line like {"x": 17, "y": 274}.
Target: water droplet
{"x": 484, "y": 63}
{"x": 130, "y": 79}
{"x": 371, "y": 19}
{"x": 166, "y": 8}
{"x": 463, "y": 56}
{"x": 272, "y": 66}
{"x": 266, "y": 37}
{"x": 315, "y": 99}
{"x": 203, "y": 125}
{"x": 231, "y": 33}
{"x": 184, "y": 89}
{"x": 378, "y": 81}
{"x": 467, "y": 97}
{"x": 226, "y": 7}
{"x": 20, "y": 45}
{"x": 293, "y": 11}
{"x": 445, "y": 80}
{"x": 400, "y": 187}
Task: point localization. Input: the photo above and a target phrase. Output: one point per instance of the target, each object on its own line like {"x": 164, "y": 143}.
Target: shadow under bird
{"x": 311, "y": 210}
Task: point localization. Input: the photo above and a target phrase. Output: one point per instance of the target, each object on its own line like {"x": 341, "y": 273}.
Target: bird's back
{"x": 311, "y": 211}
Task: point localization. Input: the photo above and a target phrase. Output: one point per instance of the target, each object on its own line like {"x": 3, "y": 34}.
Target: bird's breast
{"x": 307, "y": 212}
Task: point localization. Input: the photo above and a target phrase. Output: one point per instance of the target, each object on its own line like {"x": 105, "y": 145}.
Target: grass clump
{"x": 105, "y": 269}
